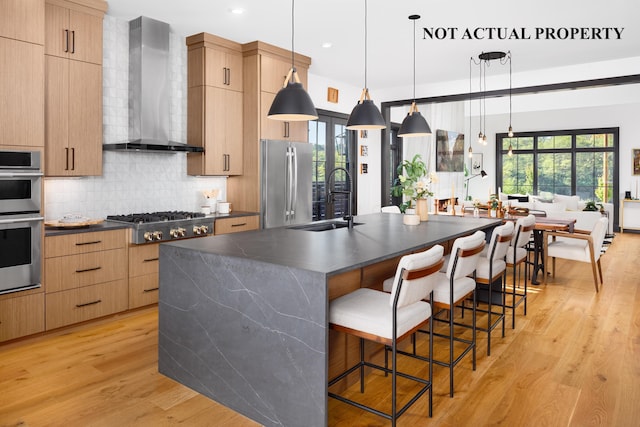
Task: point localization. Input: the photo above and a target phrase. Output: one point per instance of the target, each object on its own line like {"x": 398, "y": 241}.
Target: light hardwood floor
{"x": 574, "y": 360}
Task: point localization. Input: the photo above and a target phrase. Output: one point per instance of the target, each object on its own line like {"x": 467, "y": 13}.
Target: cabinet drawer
{"x": 21, "y": 316}
{"x": 143, "y": 290}
{"x": 143, "y": 259}
{"x": 235, "y": 225}
{"x": 77, "y": 243}
{"x": 73, "y": 271}
{"x": 78, "y": 305}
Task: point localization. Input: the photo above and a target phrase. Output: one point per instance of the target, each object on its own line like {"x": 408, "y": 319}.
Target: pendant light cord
{"x": 365, "y": 44}
{"x": 293, "y": 5}
{"x": 414, "y": 60}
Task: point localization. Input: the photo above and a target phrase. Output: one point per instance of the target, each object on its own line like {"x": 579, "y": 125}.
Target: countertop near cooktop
{"x": 108, "y": 225}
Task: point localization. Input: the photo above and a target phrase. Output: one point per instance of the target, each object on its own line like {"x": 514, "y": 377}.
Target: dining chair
{"x": 491, "y": 269}
{"x": 388, "y": 319}
{"x": 517, "y": 256}
{"x": 577, "y": 246}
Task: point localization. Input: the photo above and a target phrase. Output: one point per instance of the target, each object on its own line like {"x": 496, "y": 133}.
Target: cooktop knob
{"x": 148, "y": 236}
{"x": 157, "y": 235}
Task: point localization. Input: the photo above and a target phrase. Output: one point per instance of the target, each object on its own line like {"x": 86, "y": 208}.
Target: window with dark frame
{"x": 581, "y": 162}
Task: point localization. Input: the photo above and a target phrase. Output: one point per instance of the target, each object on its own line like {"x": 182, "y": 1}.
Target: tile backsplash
{"x": 133, "y": 181}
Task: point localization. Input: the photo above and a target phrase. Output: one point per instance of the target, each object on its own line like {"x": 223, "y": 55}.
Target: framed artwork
{"x": 476, "y": 163}
{"x": 449, "y": 151}
{"x": 636, "y": 161}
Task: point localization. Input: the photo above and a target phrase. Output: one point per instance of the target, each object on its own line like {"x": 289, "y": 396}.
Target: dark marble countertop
{"x": 380, "y": 236}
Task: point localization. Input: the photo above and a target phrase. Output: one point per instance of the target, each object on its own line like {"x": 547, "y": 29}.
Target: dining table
{"x": 543, "y": 223}
{"x": 546, "y": 224}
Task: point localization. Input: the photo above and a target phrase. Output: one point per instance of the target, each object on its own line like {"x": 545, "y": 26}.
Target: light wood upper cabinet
{"x": 218, "y": 128}
{"x": 22, "y": 20}
{"x": 74, "y": 31}
{"x": 214, "y": 105}
{"x": 73, "y": 106}
{"x": 21, "y": 93}
{"x": 273, "y": 72}
{"x": 214, "y": 61}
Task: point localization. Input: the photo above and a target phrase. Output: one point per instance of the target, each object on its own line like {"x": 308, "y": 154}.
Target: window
{"x": 576, "y": 162}
{"x": 332, "y": 149}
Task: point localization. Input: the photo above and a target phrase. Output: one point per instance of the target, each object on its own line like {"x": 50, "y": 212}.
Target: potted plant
{"x": 412, "y": 183}
{"x": 494, "y": 203}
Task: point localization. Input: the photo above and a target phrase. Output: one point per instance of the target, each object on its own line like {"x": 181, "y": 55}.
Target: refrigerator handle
{"x": 294, "y": 191}
{"x": 288, "y": 185}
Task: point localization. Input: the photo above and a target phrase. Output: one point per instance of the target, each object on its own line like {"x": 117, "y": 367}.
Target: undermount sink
{"x": 323, "y": 226}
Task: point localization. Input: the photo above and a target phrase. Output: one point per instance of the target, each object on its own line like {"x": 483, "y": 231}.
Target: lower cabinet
{"x": 143, "y": 274}
{"x": 236, "y": 224}
{"x": 21, "y": 316}
{"x": 85, "y": 276}
{"x": 85, "y": 303}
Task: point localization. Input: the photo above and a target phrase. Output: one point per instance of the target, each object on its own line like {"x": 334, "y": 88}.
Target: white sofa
{"x": 565, "y": 207}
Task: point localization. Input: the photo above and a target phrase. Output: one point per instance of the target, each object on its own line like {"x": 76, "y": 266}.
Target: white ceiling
{"x": 390, "y": 32}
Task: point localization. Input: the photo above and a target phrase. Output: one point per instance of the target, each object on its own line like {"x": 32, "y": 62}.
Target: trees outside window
{"x": 576, "y": 162}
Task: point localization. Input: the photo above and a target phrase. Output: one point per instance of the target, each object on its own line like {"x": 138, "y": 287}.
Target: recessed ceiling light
{"x": 327, "y": 45}
{"x": 237, "y": 11}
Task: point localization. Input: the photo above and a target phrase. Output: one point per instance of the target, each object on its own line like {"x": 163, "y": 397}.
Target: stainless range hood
{"x": 149, "y": 85}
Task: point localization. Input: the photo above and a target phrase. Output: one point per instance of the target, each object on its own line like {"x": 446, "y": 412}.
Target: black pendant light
{"x": 414, "y": 124}
{"x": 365, "y": 115}
{"x": 292, "y": 103}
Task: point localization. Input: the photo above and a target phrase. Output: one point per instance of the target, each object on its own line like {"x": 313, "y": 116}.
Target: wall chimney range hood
{"x": 149, "y": 86}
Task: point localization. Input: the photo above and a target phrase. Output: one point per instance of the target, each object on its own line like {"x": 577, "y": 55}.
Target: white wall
{"x": 133, "y": 182}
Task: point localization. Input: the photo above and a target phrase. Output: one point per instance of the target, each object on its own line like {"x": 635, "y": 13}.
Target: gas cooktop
{"x": 165, "y": 226}
{"x": 155, "y": 216}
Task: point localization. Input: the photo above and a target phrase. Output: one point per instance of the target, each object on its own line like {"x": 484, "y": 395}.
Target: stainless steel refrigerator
{"x": 286, "y": 185}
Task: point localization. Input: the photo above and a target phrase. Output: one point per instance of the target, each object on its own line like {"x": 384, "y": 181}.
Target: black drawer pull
{"x": 95, "y": 242}
{"x": 150, "y": 259}
{"x": 239, "y": 225}
{"x": 89, "y": 303}
{"x": 88, "y": 269}
{"x": 150, "y": 290}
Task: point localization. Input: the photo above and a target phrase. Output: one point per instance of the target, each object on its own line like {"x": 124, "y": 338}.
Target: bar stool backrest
{"x": 498, "y": 240}
{"x": 414, "y": 290}
{"x": 464, "y": 266}
{"x": 523, "y": 230}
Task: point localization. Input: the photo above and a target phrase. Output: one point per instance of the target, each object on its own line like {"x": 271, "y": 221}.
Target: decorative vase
{"x": 476, "y": 212}
{"x": 493, "y": 213}
{"x": 423, "y": 209}
{"x": 410, "y": 211}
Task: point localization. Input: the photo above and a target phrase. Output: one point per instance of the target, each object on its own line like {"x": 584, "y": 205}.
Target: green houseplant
{"x": 410, "y": 182}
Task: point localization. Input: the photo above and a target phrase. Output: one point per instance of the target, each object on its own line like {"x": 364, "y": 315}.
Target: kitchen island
{"x": 243, "y": 317}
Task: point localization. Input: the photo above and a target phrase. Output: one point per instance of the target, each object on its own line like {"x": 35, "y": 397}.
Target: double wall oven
{"x": 20, "y": 220}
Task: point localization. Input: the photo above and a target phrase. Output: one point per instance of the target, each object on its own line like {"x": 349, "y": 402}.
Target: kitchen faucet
{"x": 330, "y": 194}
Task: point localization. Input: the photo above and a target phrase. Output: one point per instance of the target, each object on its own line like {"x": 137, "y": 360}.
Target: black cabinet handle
{"x": 228, "y": 76}
{"x": 286, "y": 129}
{"x": 150, "y": 290}
{"x": 94, "y": 242}
{"x": 89, "y": 303}
{"x": 150, "y": 259}
{"x": 73, "y": 42}
{"x": 239, "y": 225}
{"x": 88, "y": 269}
{"x": 66, "y": 40}
{"x": 66, "y": 156}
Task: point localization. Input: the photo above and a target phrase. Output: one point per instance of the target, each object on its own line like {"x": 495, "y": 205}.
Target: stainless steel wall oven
{"x": 20, "y": 220}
